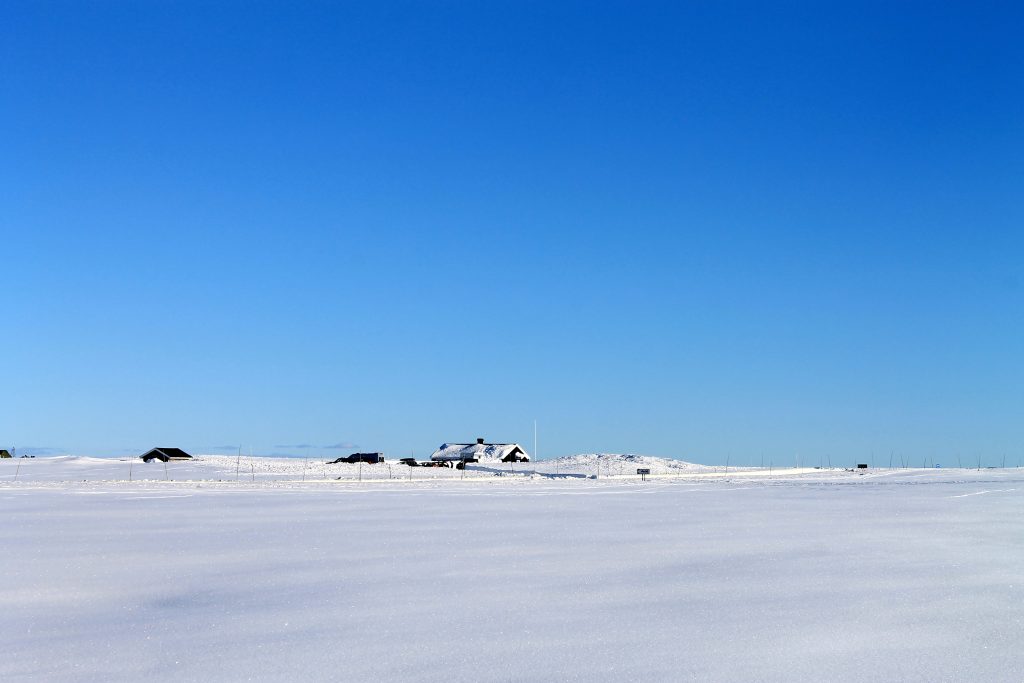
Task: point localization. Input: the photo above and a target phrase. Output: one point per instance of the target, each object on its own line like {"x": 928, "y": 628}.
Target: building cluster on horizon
{"x": 446, "y": 455}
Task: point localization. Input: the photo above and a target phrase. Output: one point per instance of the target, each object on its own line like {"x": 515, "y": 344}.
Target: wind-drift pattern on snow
{"x": 903, "y": 575}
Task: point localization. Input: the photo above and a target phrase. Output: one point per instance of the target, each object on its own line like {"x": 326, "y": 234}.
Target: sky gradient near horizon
{"x": 696, "y": 230}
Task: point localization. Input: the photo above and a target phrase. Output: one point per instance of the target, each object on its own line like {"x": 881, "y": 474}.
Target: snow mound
{"x": 623, "y": 463}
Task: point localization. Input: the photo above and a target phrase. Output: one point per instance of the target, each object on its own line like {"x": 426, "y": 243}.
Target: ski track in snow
{"x": 979, "y": 493}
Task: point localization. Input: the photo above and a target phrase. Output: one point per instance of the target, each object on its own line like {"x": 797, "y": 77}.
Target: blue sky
{"x": 699, "y": 230}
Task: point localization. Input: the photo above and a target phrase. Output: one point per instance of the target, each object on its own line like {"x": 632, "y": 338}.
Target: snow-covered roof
{"x": 478, "y": 451}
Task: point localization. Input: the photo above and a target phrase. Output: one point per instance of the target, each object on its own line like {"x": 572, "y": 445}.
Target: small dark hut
{"x": 165, "y": 454}
{"x": 370, "y": 458}
{"x": 4, "y": 453}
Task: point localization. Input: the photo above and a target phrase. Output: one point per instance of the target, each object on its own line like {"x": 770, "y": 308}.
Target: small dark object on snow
{"x": 359, "y": 457}
{"x": 862, "y": 466}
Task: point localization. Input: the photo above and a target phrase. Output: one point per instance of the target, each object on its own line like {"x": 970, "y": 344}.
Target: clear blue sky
{"x": 700, "y": 230}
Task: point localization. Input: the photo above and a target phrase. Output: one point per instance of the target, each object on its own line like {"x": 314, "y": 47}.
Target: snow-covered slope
{"x": 614, "y": 463}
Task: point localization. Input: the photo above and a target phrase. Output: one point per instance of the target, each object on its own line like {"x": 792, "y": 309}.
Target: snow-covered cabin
{"x": 165, "y": 454}
{"x": 480, "y": 451}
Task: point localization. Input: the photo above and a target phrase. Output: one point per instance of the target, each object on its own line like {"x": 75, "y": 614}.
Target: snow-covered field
{"x": 697, "y": 574}
{"x": 262, "y": 470}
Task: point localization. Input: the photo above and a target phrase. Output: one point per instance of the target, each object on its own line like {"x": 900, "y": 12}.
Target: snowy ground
{"x": 695, "y": 575}
{"x": 261, "y": 470}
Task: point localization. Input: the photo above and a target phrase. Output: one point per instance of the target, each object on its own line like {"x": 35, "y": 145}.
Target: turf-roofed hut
{"x": 165, "y": 454}
{"x": 480, "y": 452}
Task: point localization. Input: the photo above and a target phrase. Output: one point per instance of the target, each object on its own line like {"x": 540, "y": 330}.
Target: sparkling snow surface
{"x": 695, "y": 575}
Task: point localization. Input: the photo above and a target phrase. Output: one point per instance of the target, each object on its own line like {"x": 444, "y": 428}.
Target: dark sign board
{"x": 643, "y": 470}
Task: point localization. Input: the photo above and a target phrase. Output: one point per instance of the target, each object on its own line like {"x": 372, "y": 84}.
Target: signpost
{"x": 643, "y": 472}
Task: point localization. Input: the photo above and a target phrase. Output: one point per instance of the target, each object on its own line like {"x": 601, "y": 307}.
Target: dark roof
{"x": 171, "y": 452}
